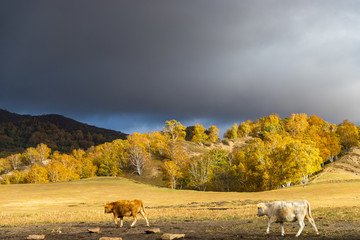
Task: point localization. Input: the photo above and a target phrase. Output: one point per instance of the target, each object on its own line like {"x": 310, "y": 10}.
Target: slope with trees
{"x": 273, "y": 153}
{"x": 18, "y": 132}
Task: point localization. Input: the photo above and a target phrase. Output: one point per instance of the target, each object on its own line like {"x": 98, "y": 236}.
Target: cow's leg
{"x": 121, "y": 221}
{"x": 115, "y": 219}
{"x": 135, "y": 219}
{"x": 312, "y": 222}
{"x": 144, "y": 216}
{"x": 282, "y": 229}
{"x": 268, "y": 227}
{"x": 302, "y": 225}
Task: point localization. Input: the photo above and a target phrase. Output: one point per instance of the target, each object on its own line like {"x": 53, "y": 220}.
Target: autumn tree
{"x": 14, "y": 160}
{"x": 224, "y": 171}
{"x": 172, "y": 173}
{"x": 200, "y": 172}
{"x": 326, "y": 140}
{"x": 37, "y": 174}
{"x": 138, "y": 154}
{"x": 88, "y": 169}
{"x": 103, "y": 157}
{"x": 63, "y": 167}
{"x": 296, "y": 125}
{"x": 252, "y": 166}
{"x": 278, "y": 169}
{"x": 305, "y": 157}
{"x": 349, "y": 134}
{"x": 174, "y": 130}
{"x": 232, "y": 133}
{"x": 245, "y": 129}
{"x": 213, "y": 133}
{"x": 43, "y": 152}
{"x": 5, "y": 165}
{"x": 157, "y": 143}
{"x": 199, "y": 134}
{"x": 270, "y": 123}
{"x": 18, "y": 177}
{"x": 55, "y": 171}
{"x": 30, "y": 156}
{"x": 119, "y": 152}
{"x": 176, "y": 152}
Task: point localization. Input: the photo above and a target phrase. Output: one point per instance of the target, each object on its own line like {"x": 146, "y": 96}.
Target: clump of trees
{"x": 278, "y": 153}
{"x": 40, "y": 164}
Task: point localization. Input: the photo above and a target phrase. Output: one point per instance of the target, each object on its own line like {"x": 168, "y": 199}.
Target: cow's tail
{"x": 308, "y": 209}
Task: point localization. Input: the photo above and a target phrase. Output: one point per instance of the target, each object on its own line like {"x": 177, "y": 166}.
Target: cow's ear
{"x": 259, "y": 206}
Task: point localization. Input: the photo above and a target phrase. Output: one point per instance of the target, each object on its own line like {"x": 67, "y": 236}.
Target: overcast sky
{"x": 132, "y": 65}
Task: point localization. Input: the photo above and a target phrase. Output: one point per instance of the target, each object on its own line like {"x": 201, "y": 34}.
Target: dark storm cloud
{"x": 217, "y": 62}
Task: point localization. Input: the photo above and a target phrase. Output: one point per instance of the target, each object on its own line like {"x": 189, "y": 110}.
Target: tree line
{"x": 278, "y": 153}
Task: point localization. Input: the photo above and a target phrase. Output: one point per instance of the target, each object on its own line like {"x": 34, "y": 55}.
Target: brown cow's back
{"x": 127, "y": 207}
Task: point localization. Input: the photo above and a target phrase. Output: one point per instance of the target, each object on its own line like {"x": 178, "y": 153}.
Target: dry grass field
{"x": 63, "y": 204}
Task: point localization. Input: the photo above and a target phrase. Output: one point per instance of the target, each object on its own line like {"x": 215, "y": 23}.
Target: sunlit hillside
{"x": 346, "y": 168}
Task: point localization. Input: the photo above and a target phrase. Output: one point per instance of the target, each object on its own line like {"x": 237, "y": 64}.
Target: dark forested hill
{"x": 18, "y": 132}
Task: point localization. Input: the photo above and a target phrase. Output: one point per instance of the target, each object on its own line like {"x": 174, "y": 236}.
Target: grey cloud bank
{"x": 131, "y": 65}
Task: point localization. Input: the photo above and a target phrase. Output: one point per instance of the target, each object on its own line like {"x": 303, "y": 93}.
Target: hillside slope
{"x": 18, "y": 132}
{"x": 153, "y": 171}
{"x": 345, "y": 168}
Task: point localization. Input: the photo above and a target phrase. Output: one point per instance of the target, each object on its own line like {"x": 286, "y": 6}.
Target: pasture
{"x": 60, "y": 210}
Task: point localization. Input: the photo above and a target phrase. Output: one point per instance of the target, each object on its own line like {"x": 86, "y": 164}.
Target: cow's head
{"x": 108, "y": 207}
{"x": 261, "y": 209}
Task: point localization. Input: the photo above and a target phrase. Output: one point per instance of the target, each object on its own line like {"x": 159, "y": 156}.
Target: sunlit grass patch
{"x": 334, "y": 177}
{"x": 82, "y": 201}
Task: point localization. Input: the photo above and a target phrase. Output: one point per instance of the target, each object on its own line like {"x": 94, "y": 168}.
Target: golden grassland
{"x": 82, "y": 201}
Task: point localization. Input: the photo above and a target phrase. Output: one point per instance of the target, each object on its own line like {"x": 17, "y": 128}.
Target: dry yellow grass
{"x": 83, "y": 200}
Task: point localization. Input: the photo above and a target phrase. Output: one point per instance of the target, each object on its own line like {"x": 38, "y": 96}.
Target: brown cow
{"x": 123, "y": 208}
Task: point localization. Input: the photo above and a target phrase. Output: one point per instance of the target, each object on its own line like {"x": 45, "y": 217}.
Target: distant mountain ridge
{"x": 6, "y": 116}
{"x": 18, "y": 132}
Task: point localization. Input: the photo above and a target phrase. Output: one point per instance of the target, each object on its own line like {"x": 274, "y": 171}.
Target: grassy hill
{"x": 346, "y": 168}
{"x": 153, "y": 174}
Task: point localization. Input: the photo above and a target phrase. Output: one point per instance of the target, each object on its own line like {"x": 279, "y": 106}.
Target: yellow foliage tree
{"x": 270, "y": 123}
{"x": 14, "y": 160}
{"x": 232, "y": 133}
{"x": 252, "y": 166}
{"x": 200, "y": 172}
{"x": 296, "y": 125}
{"x": 109, "y": 158}
{"x": 87, "y": 167}
{"x": 37, "y": 174}
{"x": 172, "y": 173}
{"x": 245, "y": 128}
{"x": 349, "y": 134}
{"x": 174, "y": 130}
{"x": 63, "y": 167}
{"x": 306, "y": 158}
{"x": 31, "y": 156}
{"x": 199, "y": 134}
{"x": 138, "y": 154}
{"x": 18, "y": 177}
{"x": 43, "y": 152}
{"x": 213, "y": 133}
{"x": 157, "y": 143}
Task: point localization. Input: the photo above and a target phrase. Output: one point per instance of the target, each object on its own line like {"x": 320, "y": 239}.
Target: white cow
{"x": 282, "y": 211}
